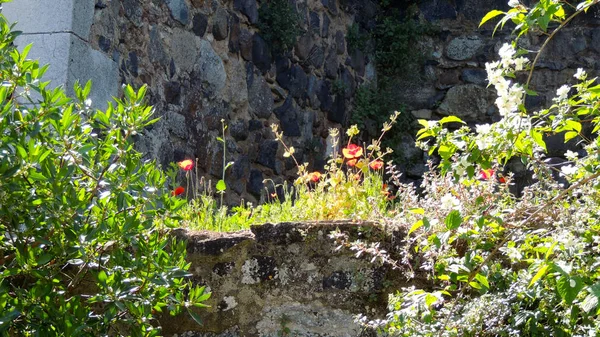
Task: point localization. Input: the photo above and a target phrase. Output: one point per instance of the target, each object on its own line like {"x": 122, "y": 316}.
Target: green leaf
{"x": 221, "y": 186}
{"x": 417, "y": 211}
{"x": 9, "y": 317}
{"x": 416, "y": 226}
{"x": 483, "y": 280}
{"x": 451, "y": 119}
{"x": 538, "y": 138}
{"x": 570, "y": 135}
{"x": 490, "y": 15}
{"x": 568, "y": 288}
{"x": 541, "y": 272}
{"x": 430, "y": 299}
{"x": 453, "y": 220}
{"x": 102, "y": 277}
{"x": 195, "y": 317}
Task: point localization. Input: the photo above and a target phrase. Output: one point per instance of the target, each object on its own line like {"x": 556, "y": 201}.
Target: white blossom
{"x": 568, "y": 170}
{"x": 570, "y": 155}
{"x": 562, "y": 92}
{"x": 513, "y": 3}
{"x": 580, "y": 74}
{"x": 483, "y": 128}
{"x": 520, "y": 63}
{"x": 448, "y": 202}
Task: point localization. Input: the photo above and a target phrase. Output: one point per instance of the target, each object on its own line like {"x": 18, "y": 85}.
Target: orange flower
{"x": 352, "y": 151}
{"x": 179, "y": 190}
{"x": 486, "y": 174}
{"x": 376, "y": 164}
{"x": 186, "y": 165}
{"x": 314, "y": 176}
{"x": 502, "y": 180}
{"x": 351, "y": 162}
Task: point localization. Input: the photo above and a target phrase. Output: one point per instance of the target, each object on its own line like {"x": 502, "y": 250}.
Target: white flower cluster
{"x": 510, "y": 95}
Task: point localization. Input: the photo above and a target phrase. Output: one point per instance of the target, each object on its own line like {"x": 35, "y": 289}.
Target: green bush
{"x": 84, "y": 243}
{"x": 279, "y": 24}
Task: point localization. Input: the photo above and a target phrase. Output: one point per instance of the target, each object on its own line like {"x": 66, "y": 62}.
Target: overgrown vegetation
{"x": 279, "y": 24}
{"x": 85, "y": 248}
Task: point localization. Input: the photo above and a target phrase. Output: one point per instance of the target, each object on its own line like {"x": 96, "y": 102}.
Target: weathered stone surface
{"x": 357, "y": 62}
{"x": 267, "y": 153}
{"x": 133, "y": 11}
{"x": 422, "y": 114}
{"x": 337, "y": 113}
{"x": 288, "y": 118}
{"x": 317, "y": 56}
{"x": 261, "y": 54}
{"x": 303, "y": 47}
{"x": 172, "y": 92}
{"x": 474, "y": 76}
{"x": 434, "y": 10}
{"x": 326, "y": 23}
{"x": 298, "y": 81}
{"x": 199, "y": 24}
{"x": 255, "y": 183}
{"x": 285, "y": 270}
{"x": 235, "y": 31}
{"x": 463, "y": 47}
{"x": 315, "y": 22}
{"x": 467, "y": 101}
{"x": 340, "y": 42}
{"x": 260, "y": 100}
{"x": 179, "y": 10}
{"x": 246, "y": 44}
{"x": 596, "y": 39}
{"x": 249, "y": 8}
{"x": 220, "y": 26}
{"x": 211, "y": 70}
{"x": 185, "y": 47}
{"x": 331, "y": 65}
{"x": 476, "y": 9}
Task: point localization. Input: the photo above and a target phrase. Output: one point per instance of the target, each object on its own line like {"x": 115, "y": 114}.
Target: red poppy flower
{"x": 186, "y": 165}
{"x": 351, "y": 162}
{"x": 502, "y": 180}
{"x": 352, "y": 151}
{"x": 179, "y": 190}
{"x": 314, "y": 176}
{"x": 486, "y": 174}
{"x": 376, "y": 165}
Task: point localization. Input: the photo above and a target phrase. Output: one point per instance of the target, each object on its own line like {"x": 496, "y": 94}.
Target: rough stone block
{"x": 51, "y": 16}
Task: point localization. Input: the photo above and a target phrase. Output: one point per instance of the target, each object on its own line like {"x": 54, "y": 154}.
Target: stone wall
{"x": 205, "y": 61}
{"x": 287, "y": 276}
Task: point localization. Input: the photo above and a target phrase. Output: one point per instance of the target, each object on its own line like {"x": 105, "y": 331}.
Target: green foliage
{"x": 279, "y": 24}
{"x": 397, "y": 39}
{"x": 85, "y": 248}
{"x": 356, "y": 39}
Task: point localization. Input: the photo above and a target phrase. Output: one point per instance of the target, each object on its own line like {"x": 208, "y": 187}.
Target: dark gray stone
{"x": 132, "y": 64}
{"x": 303, "y": 47}
{"x": 246, "y": 44}
{"x": 475, "y": 76}
{"x": 249, "y": 8}
{"x": 324, "y": 96}
{"x": 179, "y": 10}
{"x": 349, "y": 82}
{"x": 476, "y": 9}
{"x": 463, "y": 47}
{"x": 317, "y": 57}
{"x": 331, "y": 5}
{"x": 199, "y": 24}
{"x": 298, "y": 82}
{"x": 340, "y": 42}
{"x": 235, "y": 32}
{"x": 261, "y": 54}
{"x": 434, "y": 10}
{"x": 312, "y": 91}
{"x": 255, "y": 124}
{"x": 104, "y": 44}
{"x": 211, "y": 71}
{"x": 337, "y": 280}
{"x": 288, "y": 118}
{"x": 326, "y": 23}
{"x": 172, "y": 92}
{"x": 596, "y": 39}
{"x": 331, "y": 65}
{"x": 282, "y": 67}
{"x": 315, "y": 22}
{"x": 133, "y": 11}
{"x": 220, "y": 27}
{"x": 267, "y": 153}
{"x": 337, "y": 114}
{"x": 260, "y": 99}
{"x": 255, "y": 183}
{"x": 238, "y": 174}
{"x": 357, "y": 62}
{"x": 239, "y": 130}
